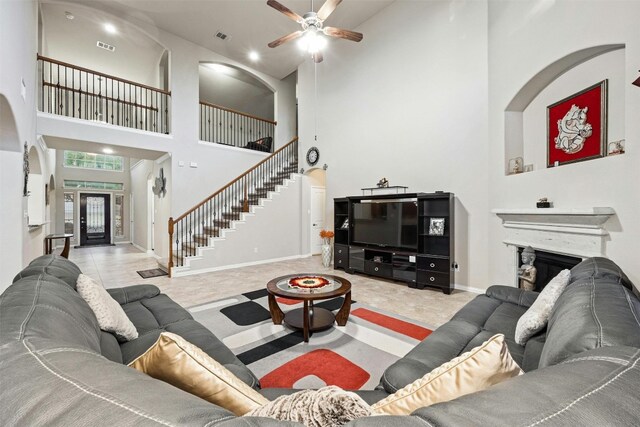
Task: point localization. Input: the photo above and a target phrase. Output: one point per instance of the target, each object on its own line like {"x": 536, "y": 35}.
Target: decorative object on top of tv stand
{"x": 636, "y": 82}
{"x": 390, "y": 236}
{"x": 383, "y": 183}
{"x": 616, "y": 147}
{"x": 577, "y": 126}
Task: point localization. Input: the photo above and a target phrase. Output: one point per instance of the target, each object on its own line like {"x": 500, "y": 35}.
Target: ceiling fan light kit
{"x": 313, "y": 32}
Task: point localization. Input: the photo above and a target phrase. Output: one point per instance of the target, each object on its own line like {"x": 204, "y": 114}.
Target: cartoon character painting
{"x": 573, "y": 130}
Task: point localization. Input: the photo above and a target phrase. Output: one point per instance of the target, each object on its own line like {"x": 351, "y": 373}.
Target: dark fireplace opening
{"x": 548, "y": 265}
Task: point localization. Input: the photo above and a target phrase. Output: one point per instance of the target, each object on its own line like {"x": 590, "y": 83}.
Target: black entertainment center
{"x": 405, "y": 237}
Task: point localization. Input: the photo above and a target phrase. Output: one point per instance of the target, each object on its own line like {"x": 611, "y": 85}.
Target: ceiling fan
{"x": 312, "y": 28}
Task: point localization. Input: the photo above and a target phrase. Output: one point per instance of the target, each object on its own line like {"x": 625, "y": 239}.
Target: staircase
{"x": 194, "y": 234}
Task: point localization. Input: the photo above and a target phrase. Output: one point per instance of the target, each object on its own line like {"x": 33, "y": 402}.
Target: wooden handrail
{"x": 108, "y": 98}
{"x": 234, "y": 181}
{"x": 87, "y": 70}
{"x": 208, "y": 104}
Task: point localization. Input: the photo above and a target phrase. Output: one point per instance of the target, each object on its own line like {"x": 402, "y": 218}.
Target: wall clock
{"x": 313, "y": 155}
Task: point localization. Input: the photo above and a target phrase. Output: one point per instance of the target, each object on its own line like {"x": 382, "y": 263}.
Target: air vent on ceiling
{"x": 105, "y": 46}
{"x": 222, "y": 36}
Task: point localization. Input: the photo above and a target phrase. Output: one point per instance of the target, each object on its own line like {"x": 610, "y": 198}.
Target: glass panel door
{"x": 95, "y": 219}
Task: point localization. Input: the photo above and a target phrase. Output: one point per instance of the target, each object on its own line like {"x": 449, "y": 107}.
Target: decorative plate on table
{"x": 308, "y": 282}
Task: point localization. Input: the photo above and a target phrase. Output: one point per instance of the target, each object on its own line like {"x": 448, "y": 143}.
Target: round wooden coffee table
{"x": 309, "y": 318}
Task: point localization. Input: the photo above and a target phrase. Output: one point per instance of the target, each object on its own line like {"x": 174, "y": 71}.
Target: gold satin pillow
{"x": 475, "y": 370}
{"x": 176, "y": 361}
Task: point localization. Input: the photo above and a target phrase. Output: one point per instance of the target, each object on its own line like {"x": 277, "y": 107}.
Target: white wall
{"x": 410, "y": 105}
{"x": 18, "y": 26}
{"x": 239, "y": 92}
{"x": 526, "y": 37}
{"x": 140, "y": 172}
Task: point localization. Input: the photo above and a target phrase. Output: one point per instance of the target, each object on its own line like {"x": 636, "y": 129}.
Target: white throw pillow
{"x": 535, "y": 319}
{"x": 111, "y": 317}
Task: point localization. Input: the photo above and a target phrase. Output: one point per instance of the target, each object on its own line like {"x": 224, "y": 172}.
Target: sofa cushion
{"x": 536, "y": 317}
{"x": 109, "y": 313}
{"x": 599, "y": 268}
{"x": 591, "y": 314}
{"x": 475, "y": 370}
{"x": 151, "y": 316}
{"x": 178, "y": 362}
{"x": 109, "y": 347}
{"x": 44, "y": 307}
{"x": 53, "y": 265}
{"x": 497, "y": 312}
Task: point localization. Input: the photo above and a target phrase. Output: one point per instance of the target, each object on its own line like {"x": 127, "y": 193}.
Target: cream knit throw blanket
{"x": 327, "y": 407}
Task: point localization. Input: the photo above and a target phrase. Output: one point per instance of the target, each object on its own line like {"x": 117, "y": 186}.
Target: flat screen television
{"x": 389, "y": 223}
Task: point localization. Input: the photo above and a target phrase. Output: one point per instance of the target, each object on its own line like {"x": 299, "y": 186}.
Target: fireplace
{"x": 548, "y": 265}
{"x": 561, "y": 238}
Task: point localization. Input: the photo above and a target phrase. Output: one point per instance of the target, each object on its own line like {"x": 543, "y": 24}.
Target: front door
{"x": 95, "y": 219}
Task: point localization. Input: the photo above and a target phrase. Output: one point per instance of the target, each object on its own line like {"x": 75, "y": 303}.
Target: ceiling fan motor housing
{"x": 311, "y": 20}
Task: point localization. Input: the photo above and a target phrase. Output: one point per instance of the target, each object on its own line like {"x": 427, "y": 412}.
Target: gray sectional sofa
{"x": 58, "y": 368}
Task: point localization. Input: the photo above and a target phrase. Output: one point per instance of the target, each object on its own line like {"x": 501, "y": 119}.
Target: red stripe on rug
{"x": 288, "y": 301}
{"x": 405, "y": 328}
{"x": 330, "y": 367}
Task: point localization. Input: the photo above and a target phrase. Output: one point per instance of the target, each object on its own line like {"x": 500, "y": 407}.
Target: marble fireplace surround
{"x": 575, "y": 232}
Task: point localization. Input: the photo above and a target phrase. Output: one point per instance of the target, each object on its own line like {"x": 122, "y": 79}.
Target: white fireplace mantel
{"x": 576, "y": 232}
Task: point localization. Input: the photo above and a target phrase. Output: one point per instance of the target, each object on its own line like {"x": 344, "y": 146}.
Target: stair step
{"x": 209, "y": 231}
{"x": 222, "y": 223}
{"x": 231, "y": 215}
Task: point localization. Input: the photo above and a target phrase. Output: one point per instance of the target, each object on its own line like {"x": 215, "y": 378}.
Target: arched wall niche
{"x": 513, "y": 116}
{"x": 9, "y": 140}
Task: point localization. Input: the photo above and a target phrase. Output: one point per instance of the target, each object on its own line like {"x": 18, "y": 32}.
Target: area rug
{"x": 154, "y": 272}
{"x": 352, "y": 357}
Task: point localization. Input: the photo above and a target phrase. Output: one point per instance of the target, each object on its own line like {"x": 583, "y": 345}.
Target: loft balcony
{"x": 221, "y": 125}
{"x": 72, "y": 91}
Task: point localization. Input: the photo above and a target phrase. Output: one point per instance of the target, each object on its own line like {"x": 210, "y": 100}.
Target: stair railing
{"x": 225, "y": 205}
{"x": 73, "y": 91}
{"x": 223, "y": 125}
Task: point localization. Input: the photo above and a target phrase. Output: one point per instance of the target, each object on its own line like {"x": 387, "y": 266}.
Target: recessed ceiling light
{"x": 69, "y": 15}
{"x": 254, "y": 56}
{"x": 110, "y": 28}
{"x": 107, "y": 151}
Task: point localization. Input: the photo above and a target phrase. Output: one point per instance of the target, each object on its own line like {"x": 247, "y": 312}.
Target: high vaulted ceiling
{"x": 251, "y": 24}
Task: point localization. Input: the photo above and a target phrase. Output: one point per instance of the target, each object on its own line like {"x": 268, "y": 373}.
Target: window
{"x": 68, "y": 212}
{"x": 93, "y": 185}
{"x": 119, "y": 215}
{"x": 79, "y": 159}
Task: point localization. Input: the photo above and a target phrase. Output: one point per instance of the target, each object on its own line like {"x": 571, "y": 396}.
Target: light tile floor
{"x": 116, "y": 266}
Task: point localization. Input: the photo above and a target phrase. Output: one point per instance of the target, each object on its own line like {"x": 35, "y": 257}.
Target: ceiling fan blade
{"x": 285, "y": 10}
{"x": 317, "y": 57}
{"x": 327, "y": 8}
{"x": 285, "y": 39}
{"x": 343, "y": 34}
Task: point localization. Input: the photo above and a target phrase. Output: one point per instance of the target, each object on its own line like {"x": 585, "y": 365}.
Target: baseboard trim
{"x": 122, "y": 243}
{"x": 140, "y": 248}
{"x": 469, "y": 289}
{"x": 232, "y": 266}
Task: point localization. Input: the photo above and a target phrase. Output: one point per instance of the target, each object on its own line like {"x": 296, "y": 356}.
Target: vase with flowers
{"x": 326, "y": 236}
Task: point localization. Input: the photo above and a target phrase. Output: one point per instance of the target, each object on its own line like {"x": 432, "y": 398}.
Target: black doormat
{"x": 154, "y": 272}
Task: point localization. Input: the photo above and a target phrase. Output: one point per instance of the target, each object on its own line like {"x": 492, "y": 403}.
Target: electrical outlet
{"x": 255, "y": 250}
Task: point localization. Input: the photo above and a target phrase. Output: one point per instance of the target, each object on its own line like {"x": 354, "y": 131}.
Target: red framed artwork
{"x": 577, "y": 126}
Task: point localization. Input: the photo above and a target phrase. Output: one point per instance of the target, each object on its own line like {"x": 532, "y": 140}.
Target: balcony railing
{"x": 226, "y": 126}
{"x": 72, "y": 91}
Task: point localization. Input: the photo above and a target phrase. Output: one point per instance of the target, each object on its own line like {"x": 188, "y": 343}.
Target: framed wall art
{"x": 577, "y": 126}
{"x": 436, "y": 227}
